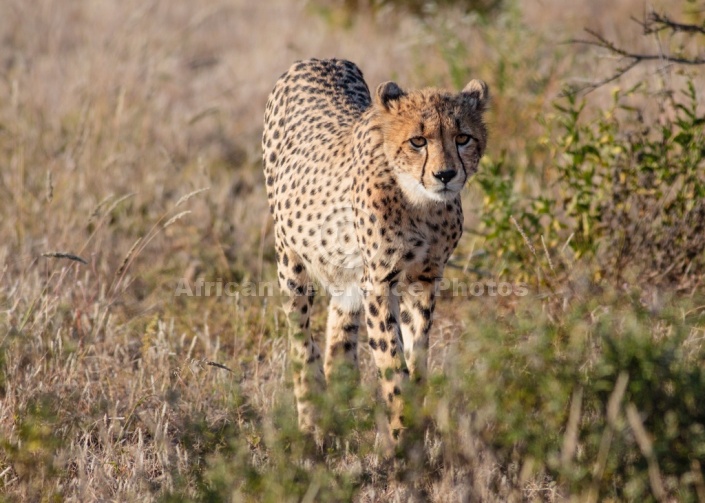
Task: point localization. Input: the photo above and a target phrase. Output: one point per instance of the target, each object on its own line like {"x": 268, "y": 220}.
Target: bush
{"x": 628, "y": 197}
{"x": 635, "y": 192}
{"x": 606, "y": 407}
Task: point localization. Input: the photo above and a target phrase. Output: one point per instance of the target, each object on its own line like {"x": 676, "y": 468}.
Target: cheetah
{"x": 365, "y": 197}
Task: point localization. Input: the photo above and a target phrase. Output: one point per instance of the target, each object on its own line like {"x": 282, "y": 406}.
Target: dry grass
{"x": 113, "y": 117}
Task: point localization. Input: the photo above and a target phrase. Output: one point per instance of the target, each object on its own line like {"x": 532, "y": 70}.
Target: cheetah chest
{"x": 330, "y": 248}
{"x": 335, "y": 247}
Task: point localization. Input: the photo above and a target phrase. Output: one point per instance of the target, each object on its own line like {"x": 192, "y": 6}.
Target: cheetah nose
{"x": 446, "y": 176}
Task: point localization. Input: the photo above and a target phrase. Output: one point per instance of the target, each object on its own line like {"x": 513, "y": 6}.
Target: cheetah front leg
{"x": 341, "y": 338}
{"x": 417, "y": 304}
{"x": 304, "y": 353}
{"x": 385, "y": 342}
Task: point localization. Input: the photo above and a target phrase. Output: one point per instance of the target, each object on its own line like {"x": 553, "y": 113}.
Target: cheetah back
{"x": 307, "y": 164}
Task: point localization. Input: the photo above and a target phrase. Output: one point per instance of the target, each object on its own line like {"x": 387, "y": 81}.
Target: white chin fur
{"x": 420, "y": 195}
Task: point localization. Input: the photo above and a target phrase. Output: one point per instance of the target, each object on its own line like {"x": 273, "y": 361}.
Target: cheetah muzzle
{"x": 365, "y": 197}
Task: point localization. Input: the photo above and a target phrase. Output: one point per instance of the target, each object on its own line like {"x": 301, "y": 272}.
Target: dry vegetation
{"x": 129, "y": 137}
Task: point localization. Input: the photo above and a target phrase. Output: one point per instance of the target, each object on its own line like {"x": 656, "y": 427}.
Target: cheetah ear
{"x": 478, "y": 94}
{"x": 388, "y": 92}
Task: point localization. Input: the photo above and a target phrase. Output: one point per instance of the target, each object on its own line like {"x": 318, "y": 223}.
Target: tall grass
{"x": 114, "y": 119}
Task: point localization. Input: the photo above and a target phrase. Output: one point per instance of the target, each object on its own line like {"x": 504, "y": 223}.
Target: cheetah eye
{"x": 418, "y": 141}
{"x": 462, "y": 139}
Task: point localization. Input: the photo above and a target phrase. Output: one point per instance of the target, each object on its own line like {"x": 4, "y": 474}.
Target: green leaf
{"x": 684, "y": 139}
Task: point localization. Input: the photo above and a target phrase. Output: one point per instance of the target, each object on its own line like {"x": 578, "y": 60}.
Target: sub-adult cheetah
{"x": 365, "y": 196}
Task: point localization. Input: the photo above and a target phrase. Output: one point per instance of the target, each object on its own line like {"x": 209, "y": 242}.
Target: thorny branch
{"x": 656, "y": 22}
{"x": 653, "y": 23}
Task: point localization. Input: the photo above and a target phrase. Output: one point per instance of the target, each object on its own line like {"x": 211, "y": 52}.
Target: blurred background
{"x": 104, "y": 99}
{"x": 130, "y": 138}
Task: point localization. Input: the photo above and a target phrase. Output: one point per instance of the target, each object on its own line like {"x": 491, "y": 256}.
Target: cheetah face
{"x": 433, "y": 140}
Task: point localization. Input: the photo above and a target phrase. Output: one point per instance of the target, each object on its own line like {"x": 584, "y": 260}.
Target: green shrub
{"x": 629, "y": 376}
{"x": 628, "y": 197}
{"x": 635, "y": 191}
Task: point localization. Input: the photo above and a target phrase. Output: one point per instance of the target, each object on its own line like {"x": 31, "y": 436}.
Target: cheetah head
{"x": 432, "y": 139}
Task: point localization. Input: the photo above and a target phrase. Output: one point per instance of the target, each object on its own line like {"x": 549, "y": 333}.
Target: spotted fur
{"x": 365, "y": 196}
